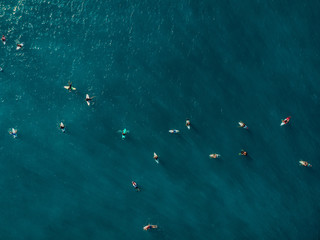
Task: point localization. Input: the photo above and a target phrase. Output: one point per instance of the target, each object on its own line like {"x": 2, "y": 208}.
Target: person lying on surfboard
{"x": 62, "y": 127}
{"x": 135, "y": 185}
{"x": 13, "y": 132}
{"x": 188, "y": 123}
{"x": 304, "y": 163}
{"x": 174, "y": 131}
{"x": 155, "y": 157}
{"x": 149, "y": 226}
{"x": 214, "y": 155}
{"x": 3, "y": 39}
{"x": 242, "y": 125}
{"x": 285, "y": 121}
{"x": 124, "y": 132}
{"x": 88, "y": 99}
{"x": 19, "y": 45}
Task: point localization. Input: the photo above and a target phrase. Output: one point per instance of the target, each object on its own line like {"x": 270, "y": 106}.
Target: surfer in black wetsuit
{"x": 62, "y": 127}
{"x": 69, "y": 86}
{"x": 88, "y": 99}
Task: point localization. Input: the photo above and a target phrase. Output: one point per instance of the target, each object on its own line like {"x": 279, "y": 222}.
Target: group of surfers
{"x": 4, "y": 41}
{"x": 214, "y": 155}
{"x": 285, "y": 121}
{"x": 13, "y": 132}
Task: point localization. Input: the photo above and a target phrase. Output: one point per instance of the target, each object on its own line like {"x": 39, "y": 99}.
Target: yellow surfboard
{"x": 72, "y": 88}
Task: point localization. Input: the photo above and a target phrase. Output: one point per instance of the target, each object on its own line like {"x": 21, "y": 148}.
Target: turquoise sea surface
{"x": 151, "y": 65}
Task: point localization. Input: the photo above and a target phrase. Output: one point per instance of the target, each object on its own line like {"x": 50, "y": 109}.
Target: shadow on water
{"x": 249, "y": 162}
{"x": 179, "y": 168}
{"x": 160, "y": 233}
{"x": 182, "y": 138}
{"x": 194, "y": 128}
{"x": 312, "y": 175}
{"x": 248, "y": 157}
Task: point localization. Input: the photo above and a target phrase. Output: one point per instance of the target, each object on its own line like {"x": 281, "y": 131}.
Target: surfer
{"x": 214, "y": 155}
{"x": 88, "y": 99}
{"x": 19, "y": 45}
{"x": 13, "y": 132}
{"x": 188, "y": 123}
{"x": 304, "y": 163}
{"x": 3, "y": 39}
{"x": 155, "y": 157}
{"x": 285, "y": 121}
{"x": 243, "y": 153}
{"x": 62, "y": 127}
{"x": 149, "y": 226}
{"x": 242, "y": 125}
{"x": 69, "y": 87}
{"x": 135, "y": 185}
{"x": 173, "y": 131}
{"x": 124, "y": 132}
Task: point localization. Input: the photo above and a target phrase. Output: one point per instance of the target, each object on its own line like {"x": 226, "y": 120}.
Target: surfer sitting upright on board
{"x": 243, "y": 153}
{"x": 69, "y": 86}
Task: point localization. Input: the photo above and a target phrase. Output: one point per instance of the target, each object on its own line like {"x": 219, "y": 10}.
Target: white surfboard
{"x": 214, "y": 155}
{"x": 72, "y": 88}
{"x": 154, "y": 154}
{"x": 88, "y": 102}
{"x": 13, "y": 132}
{"x": 188, "y": 124}
{"x": 18, "y": 47}
{"x": 174, "y": 131}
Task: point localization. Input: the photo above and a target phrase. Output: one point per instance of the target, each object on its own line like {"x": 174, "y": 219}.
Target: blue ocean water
{"x": 151, "y": 65}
